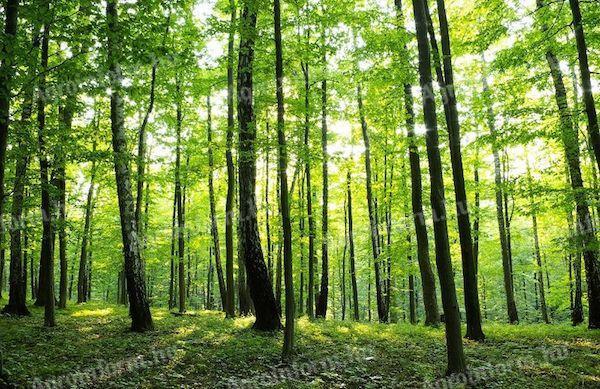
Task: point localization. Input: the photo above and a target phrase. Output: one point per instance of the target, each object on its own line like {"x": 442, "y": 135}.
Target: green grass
{"x": 207, "y": 350}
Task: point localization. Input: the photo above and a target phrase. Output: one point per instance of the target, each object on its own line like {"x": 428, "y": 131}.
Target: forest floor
{"x": 91, "y": 347}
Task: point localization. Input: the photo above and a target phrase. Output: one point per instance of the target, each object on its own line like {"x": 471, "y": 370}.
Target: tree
{"x": 456, "y": 357}
{"x": 446, "y": 81}
{"x": 261, "y": 290}
{"x": 288, "y": 340}
{"x": 511, "y": 306}
{"x": 432, "y": 316}
{"x": 230, "y": 168}
{"x": 586, "y": 83}
{"x": 139, "y": 308}
{"x": 83, "y": 286}
{"x": 351, "y": 248}
{"x": 180, "y": 204}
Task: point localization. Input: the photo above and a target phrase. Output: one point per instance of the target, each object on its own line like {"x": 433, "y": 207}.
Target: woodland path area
{"x": 92, "y": 348}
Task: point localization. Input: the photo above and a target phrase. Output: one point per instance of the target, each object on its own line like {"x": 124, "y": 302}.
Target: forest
{"x": 300, "y": 193}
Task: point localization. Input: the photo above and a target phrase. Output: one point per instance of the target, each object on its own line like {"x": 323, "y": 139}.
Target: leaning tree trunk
{"x": 261, "y": 290}
{"x": 230, "y": 169}
{"x": 456, "y": 357}
{"x": 586, "y": 234}
{"x": 321, "y": 308}
{"x": 141, "y": 318}
{"x": 586, "y": 83}
{"x": 213, "y": 213}
{"x": 511, "y": 307}
{"x": 288, "y": 340}
{"x": 382, "y": 310}
{"x": 587, "y": 237}
{"x": 432, "y": 316}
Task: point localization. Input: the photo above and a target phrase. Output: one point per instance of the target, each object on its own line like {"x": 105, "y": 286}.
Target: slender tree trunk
{"x": 46, "y": 297}
{"x": 477, "y": 211}
{"x": 586, "y": 83}
{"x": 230, "y": 169}
{"x": 261, "y": 290}
{"x": 343, "y": 268}
{"x": 511, "y": 307}
{"x": 290, "y": 315}
{"x": 17, "y": 303}
{"x": 456, "y": 358}
{"x": 536, "y": 246}
{"x": 82, "y": 286}
{"x": 178, "y": 196}
{"x": 7, "y": 53}
{"x": 213, "y": 213}
{"x": 172, "y": 297}
{"x": 136, "y": 284}
{"x": 351, "y": 247}
{"x": 268, "y": 205}
{"x": 321, "y": 308}
{"x": 310, "y": 304}
{"x": 432, "y": 316}
{"x": 301, "y": 227}
{"x": 586, "y": 234}
{"x": 381, "y": 307}
{"x": 446, "y": 81}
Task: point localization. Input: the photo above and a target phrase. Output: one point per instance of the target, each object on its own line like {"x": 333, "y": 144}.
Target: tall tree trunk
{"x": 172, "y": 297}
{"x": 82, "y": 284}
{"x": 136, "y": 284}
{"x": 261, "y": 290}
{"x": 432, "y": 316}
{"x": 321, "y": 308}
{"x": 17, "y": 303}
{"x": 7, "y": 51}
{"x": 586, "y": 83}
{"x": 456, "y": 357}
{"x": 301, "y": 227}
{"x": 586, "y": 234}
{"x": 178, "y": 196}
{"x": 446, "y": 82}
{"x": 536, "y": 246}
{"x": 310, "y": 304}
{"x": 511, "y": 307}
{"x": 381, "y": 308}
{"x": 46, "y": 295}
{"x": 477, "y": 210}
{"x": 351, "y": 248}
{"x": 343, "y": 268}
{"x": 230, "y": 304}
{"x": 213, "y": 213}
{"x": 284, "y": 205}
{"x": 268, "y": 205}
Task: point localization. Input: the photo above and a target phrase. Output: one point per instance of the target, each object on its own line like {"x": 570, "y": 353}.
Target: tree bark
{"x": 456, "y": 357}
{"x": 261, "y": 290}
{"x": 136, "y": 284}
